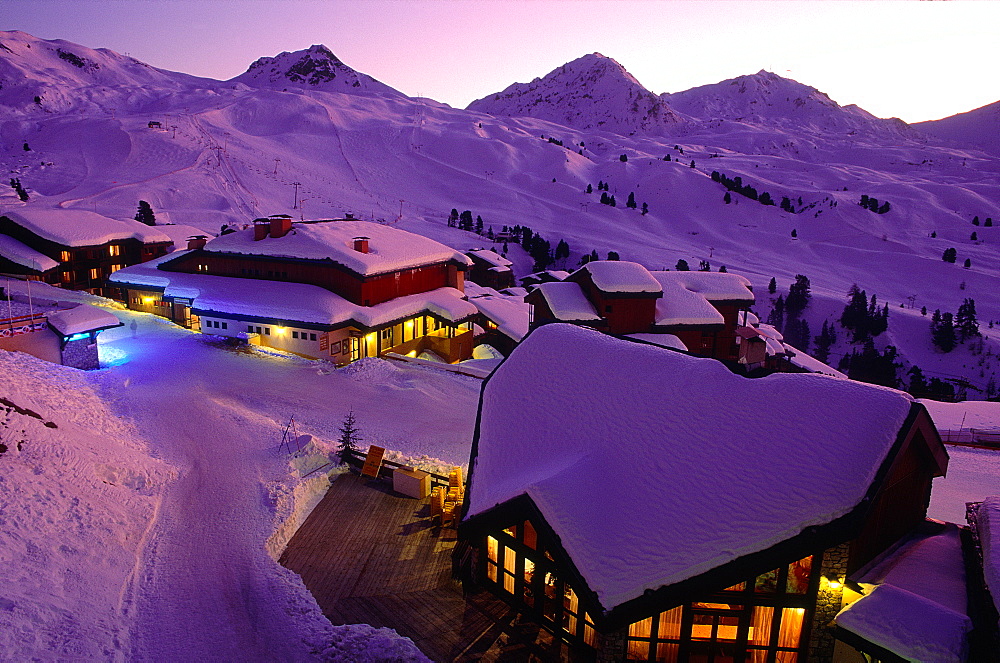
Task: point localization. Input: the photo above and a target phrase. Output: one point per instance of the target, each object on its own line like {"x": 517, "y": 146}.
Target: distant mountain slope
{"x": 56, "y": 76}
{"x": 769, "y": 100}
{"x": 314, "y": 68}
{"x": 593, "y": 92}
{"x": 228, "y": 152}
{"x": 977, "y": 128}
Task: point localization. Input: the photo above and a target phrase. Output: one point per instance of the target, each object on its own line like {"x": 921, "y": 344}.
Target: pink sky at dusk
{"x": 913, "y": 60}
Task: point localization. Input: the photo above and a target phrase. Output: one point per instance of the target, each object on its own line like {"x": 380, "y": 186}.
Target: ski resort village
{"x": 294, "y": 366}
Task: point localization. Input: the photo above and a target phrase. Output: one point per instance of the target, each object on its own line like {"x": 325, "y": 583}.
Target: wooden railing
{"x": 356, "y": 459}
{"x": 973, "y": 437}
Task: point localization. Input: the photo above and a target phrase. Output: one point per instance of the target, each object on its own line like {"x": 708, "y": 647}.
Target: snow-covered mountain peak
{"x": 768, "y": 100}
{"x": 593, "y": 92}
{"x": 313, "y": 68}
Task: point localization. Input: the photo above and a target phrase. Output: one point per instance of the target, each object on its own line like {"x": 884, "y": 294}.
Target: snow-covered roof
{"x": 180, "y": 233}
{"x": 663, "y": 340}
{"x": 389, "y": 249}
{"x": 722, "y": 465}
{"x": 78, "y": 227}
{"x": 567, "y": 301}
{"x": 16, "y": 252}
{"x": 81, "y": 319}
{"x": 918, "y": 607}
{"x": 510, "y": 314}
{"x": 514, "y": 291}
{"x": 491, "y": 257}
{"x": 473, "y": 289}
{"x": 294, "y": 302}
{"x": 713, "y": 286}
{"x": 681, "y": 306}
{"x": 811, "y": 364}
{"x": 987, "y": 517}
{"x": 621, "y": 276}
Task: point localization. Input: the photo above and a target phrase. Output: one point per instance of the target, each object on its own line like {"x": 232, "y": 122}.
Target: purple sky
{"x": 914, "y": 60}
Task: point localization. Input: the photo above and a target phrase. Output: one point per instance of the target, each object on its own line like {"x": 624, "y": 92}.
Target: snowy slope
{"x": 233, "y": 151}
{"x": 977, "y": 128}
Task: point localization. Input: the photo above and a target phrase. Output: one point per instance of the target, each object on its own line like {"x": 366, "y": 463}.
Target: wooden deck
{"x": 371, "y": 556}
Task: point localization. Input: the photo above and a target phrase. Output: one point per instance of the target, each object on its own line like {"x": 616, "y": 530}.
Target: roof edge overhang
{"x": 809, "y": 541}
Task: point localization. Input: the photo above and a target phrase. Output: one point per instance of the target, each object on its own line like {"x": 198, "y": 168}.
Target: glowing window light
{"x": 281, "y": 330}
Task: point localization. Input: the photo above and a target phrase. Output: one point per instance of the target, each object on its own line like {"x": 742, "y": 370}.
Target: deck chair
{"x": 437, "y": 502}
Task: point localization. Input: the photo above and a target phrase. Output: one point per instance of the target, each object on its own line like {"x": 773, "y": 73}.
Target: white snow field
{"x": 148, "y": 515}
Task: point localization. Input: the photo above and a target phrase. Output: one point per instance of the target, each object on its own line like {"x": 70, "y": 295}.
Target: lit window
{"x": 95, "y": 273}
{"x": 67, "y": 277}
{"x": 65, "y": 256}
{"x": 115, "y": 268}
{"x": 114, "y": 250}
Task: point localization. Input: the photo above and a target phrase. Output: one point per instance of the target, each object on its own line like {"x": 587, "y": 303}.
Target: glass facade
{"x": 760, "y": 620}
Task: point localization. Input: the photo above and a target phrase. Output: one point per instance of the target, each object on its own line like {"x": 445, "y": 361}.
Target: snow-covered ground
{"x": 155, "y": 545}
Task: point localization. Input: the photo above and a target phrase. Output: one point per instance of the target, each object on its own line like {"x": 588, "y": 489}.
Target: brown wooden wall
{"x": 901, "y": 503}
{"x": 352, "y": 287}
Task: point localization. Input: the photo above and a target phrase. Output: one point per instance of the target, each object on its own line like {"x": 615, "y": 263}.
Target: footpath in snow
{"x": 167, "y": 557}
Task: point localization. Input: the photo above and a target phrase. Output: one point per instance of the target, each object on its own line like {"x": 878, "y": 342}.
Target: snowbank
{"x": 80, "y": 493}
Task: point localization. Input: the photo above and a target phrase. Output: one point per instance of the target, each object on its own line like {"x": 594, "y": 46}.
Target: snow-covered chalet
{"x": 337, "y": 289}
{"x": 73, "y": 248}
{"x": 647, "y": 505}
{"x": 701, "y": 311}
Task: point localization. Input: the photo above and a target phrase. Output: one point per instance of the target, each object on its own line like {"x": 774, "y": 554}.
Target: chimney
{"x": 197, "y": 242}
{"x": 280, "y": 226}
{"x": 361, "y": 244}
{"x": 261, "y": 227}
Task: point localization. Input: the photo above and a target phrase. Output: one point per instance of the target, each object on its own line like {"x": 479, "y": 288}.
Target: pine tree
{"x": 722, "y": 269}
{"x": 975, "y": 220}
{"x": 605, "y": 199}
{"x": 727, "y": 198}
{"x": 347, "y": 444}
{"x": 145, "y": 214}
{"x": 884, "y": 208}
{"x": 988, "y": 223}
{"x": 479, "y": 225}
{"x": 966, "y": 323}
{"x": 645, "y": 209}
{"x": 704, "y": 266}
{"x": 776, "y": 318}
{"x": 613, "y": 255}
{"x": 772, "y": 285}
{"x": 692, "y": 163}
{"x": 943, "y": 332}
{"x": 26, "y": 148}
{"x": 630, "y": 203}
{"x": 918, "y": 385}
{"x": 968, "y": 263}
{"x": 623, "y": 158}
{"x": 667, "y": 158}
{"x": 765, "y": 199}
{"x": 973, "y": 237}
{"x": 682, "y": 266}
{"x": 950, "y": 255}
{"x": 590, "y": 189}
{"x": 823, "y": 343}
{"x": 612, "y": 201}
{"x": 453, "y": 218}
{"x": 794, "y": 233}
{"x": 465, "y": 220}
{"x": 798, "y": 296}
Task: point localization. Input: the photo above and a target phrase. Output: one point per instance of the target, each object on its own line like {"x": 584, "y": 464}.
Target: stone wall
{"x": 81, "y": 353}
{"x": 828, "y": 603}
